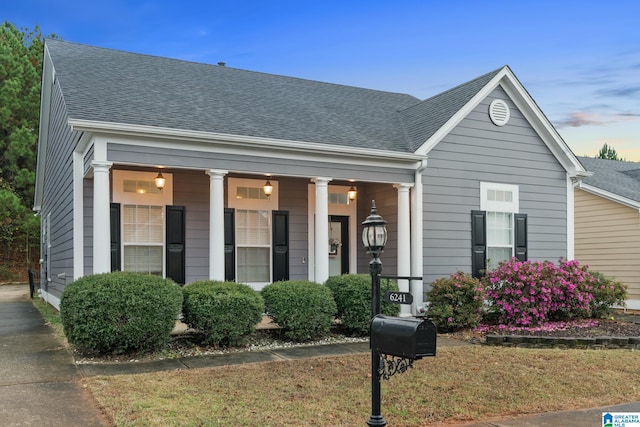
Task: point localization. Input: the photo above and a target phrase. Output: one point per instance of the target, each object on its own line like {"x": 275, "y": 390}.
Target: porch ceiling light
{"x": 374, "y": 232}
{"x": 352, "y": 193}
{"x": 160, "y": 181}
{"x": 267, "y": 188}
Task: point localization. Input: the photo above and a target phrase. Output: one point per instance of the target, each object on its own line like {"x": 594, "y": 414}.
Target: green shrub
{"x": 606, "y": 292}
{"x": 225, "y": 312}
{"x": 304, "y": 310}
{"x": 120, "y": 312}
{"x": 352, "y": 293}
{"x": 455, "y": 302}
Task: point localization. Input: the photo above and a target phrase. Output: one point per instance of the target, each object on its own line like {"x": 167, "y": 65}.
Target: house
{"x": 471, "y": 175}
{"x": 607, "y": 222}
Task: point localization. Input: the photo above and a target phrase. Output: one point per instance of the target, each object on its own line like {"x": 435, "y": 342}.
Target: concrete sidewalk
{"x": 581, "y": 418}
{"x": 40, "y": 383}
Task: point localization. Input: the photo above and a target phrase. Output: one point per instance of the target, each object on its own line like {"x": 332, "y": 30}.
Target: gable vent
{"x": 499, "y": 112}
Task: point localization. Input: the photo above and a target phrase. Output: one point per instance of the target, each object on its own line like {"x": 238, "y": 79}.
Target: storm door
{"x": 338, "y": 245}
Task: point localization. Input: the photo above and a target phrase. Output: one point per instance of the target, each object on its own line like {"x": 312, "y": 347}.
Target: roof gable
{"x": 466, "y": 97}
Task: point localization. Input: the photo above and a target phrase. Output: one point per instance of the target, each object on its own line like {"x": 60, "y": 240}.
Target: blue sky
{"x": 580, "y": 60}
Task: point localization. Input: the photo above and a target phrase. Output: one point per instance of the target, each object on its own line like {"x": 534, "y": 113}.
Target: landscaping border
{"x": 533, "y": 341}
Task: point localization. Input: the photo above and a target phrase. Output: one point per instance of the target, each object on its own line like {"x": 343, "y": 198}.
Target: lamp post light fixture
{"x": 374, "y": 238}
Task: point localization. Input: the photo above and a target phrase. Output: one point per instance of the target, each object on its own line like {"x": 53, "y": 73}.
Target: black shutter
{"x": 116, "y": 258}
{"x": 229, "y": 245}
{"x": 175, "y": 253}
{"x": 478, "y": 243}
{"x": 280, "y": 232}
{"x": 521, "y": 236}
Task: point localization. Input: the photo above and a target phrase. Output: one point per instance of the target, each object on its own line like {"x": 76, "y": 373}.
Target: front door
{"x": 338, "y": 245}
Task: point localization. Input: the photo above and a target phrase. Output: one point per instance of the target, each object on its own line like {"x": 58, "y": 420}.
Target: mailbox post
{"x": 374, "y": 238}
{"x": 399, "y": 340}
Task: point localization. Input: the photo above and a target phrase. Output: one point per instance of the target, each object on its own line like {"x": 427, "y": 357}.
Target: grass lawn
{"x": 459, "y": 384}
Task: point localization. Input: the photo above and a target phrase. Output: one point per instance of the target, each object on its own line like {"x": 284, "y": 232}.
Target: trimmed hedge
{"x": 119, "y": 312}
{"x": 225, "y": 312}
{"x": 303, "y": 309}
{"x": 352, "y": 293}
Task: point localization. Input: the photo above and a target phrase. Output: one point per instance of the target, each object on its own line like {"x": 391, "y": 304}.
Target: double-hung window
{"x": 253, "y": 237}
{"x": 253, "y": 229}
{"x": 143, "y": 219}
{"x": 143, "y": 238}
{"x": 498, "y": 230}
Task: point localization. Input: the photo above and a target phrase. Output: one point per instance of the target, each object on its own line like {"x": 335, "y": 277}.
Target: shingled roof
{"x": 105, "y": 85}
{"x": 424, "y": 119}
{"x": 616, "y": 177}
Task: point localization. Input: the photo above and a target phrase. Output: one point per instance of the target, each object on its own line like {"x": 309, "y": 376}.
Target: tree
{"x": 609, "y": 153}
{"x": 21, "y": 53}
{"x": 20, "y": 70}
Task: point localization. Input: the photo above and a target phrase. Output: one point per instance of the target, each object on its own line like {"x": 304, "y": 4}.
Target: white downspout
{"x": 417, "y": 246}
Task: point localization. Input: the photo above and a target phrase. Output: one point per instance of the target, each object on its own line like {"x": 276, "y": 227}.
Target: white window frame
{"x": 269, "y": 205}
{"x": 512, "y": 207}
{"x": 163, "y": 198}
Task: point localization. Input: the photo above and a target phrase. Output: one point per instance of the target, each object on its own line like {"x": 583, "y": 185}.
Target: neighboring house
{"x": 471, "y": 174}
{"x": 607, "y": 221}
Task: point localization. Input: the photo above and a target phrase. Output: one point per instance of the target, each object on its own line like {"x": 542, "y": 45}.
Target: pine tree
{"x": 20, "y": 71}
{"x": 21, "y": 52}
{"x": 609, "y": 153}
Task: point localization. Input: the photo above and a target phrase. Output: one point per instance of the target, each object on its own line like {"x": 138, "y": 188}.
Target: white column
{"x": 417, "y": 269}
{"x": 101, "y": 217}
{"x": 404, "y": 242}
{"x": 321, "y": 250}
{"x": 78, "y": 215}
{"x": 216, "y": 224}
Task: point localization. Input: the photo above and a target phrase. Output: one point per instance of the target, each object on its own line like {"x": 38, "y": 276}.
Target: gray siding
{"x": 293, "y": 198}
{"x": 191, "y": 190}
{"x": 87, "y": 194}
{"x": 88, "y": 158}
{"x": 474, "y": 151}
{"x": 58, "y": 193}
{"x": 121, "y": 153}
{"x": 386, "y": 198}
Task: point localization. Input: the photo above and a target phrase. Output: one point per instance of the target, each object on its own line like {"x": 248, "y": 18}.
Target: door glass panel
{"x": 335, "y": 248}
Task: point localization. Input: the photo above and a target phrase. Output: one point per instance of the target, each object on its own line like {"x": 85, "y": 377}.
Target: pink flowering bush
{"x": 532, "y": 292}
{"x": 455, "y": 302}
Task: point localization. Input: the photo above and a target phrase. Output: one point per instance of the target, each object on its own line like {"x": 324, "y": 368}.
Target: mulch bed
{"x": 589, "y": 328}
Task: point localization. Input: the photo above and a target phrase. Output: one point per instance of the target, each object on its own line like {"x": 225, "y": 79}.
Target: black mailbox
{"x": 406, "y": 337}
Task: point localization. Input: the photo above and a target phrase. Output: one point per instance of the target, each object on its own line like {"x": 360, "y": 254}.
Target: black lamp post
{"x": 374, "y": 238}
